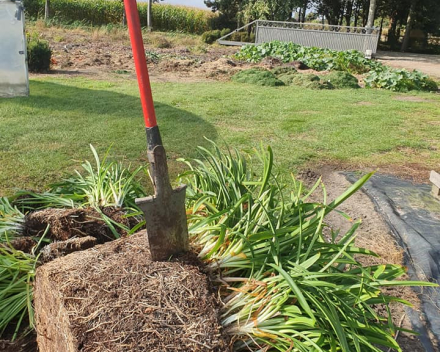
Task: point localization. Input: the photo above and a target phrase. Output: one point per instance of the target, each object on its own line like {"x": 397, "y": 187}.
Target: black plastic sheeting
{"x": 413, "y": 215}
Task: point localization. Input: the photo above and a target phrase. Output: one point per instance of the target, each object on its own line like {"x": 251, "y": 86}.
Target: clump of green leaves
{"x": 11, "y": 220}
{"x": 102, "y": 184}
{"x": 259, "y": 77}
{"x": 283, "y": 285}
{"x": 317, "y": 58}
{"x": 39, "y": 54}
{"x": 400, "y": 80}
{"x": 210, "y": 37}
{"x": 17, "y": 273}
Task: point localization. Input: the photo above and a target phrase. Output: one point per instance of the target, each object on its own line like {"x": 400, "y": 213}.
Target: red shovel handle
{"x": 140, "y": 62}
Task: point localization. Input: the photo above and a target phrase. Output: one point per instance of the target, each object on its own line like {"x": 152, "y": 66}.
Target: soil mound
{"x": 114, "y": 298}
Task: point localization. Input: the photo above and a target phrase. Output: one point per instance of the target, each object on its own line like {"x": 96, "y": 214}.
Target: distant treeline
{"x": 103, "y": 12}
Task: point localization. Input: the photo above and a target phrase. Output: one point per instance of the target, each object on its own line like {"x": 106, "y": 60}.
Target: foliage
{"x": 341, "y": 80}
{"x": 17, "y": 272}
{"x": 282, "y": 283}
{"x": 249, "y": 10}
{"x": 210, "y": 37}
{"x": 11, "y": 220}
{"x": 351, "y": 61}
{"x": 316, "y": 58}
{"x": 257, "y": 76}
{"x": 400, "y": 80}
{"x": 39, "y": 54}
{"x": 101, "y": 12}
{"x": 105, "y": 184}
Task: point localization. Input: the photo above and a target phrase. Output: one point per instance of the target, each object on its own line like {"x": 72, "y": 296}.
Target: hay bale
{"x": 112, "y": 297}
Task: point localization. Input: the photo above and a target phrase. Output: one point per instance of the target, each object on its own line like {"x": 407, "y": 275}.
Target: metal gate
{"x": 310, "y": 34}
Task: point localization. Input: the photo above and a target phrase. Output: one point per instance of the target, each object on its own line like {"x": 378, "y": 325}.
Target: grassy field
{"x": 47, "y": 135}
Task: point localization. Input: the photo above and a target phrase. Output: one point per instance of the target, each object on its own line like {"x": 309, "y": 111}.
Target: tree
{"x": 371, "y": 15}
{"x": 409, "y": 24}
{"x": 47, "y": 10}
{"x": 240, "y": 11}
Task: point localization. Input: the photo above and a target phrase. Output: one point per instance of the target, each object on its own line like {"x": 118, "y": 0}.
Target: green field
{"x": 48, "y": 134}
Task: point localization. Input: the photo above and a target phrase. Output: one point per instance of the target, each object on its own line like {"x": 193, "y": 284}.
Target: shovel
{"x": 164, "y": 212}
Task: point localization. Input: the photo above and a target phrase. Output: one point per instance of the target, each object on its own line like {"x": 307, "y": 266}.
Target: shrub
{"x": 225, "y": 31}
{"x": 39, "y": 54}
{"x": 257, "y": 76}
{"x": 243, "y": 37}
{"x": 341, "y": 80}
{"x": 210, "y": 37}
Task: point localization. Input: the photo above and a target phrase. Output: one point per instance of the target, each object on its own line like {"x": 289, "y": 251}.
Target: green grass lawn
{"x": 48, "y": 134}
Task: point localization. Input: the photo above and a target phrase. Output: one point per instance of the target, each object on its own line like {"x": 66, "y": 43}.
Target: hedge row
{"x": 103, "y": 12}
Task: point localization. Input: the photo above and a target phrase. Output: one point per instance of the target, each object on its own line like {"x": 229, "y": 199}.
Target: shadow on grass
{"x": 49, "y": 132}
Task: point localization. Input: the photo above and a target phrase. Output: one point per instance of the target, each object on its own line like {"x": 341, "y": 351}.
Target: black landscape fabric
{"x": 413, "y": 215}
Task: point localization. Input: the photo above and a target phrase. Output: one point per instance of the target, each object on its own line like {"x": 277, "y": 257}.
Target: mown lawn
{"x": 46, "y": 135}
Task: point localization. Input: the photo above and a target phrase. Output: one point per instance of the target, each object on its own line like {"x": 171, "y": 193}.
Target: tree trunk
{"x": 47, "y": 10}
{"x": 381, "y": 28}
{"x": 348, "y": 13}
{"x": 124, "y": 16}
{"x": 342, "y": 13}
{"x": 149, "y": 22}
{"x": 371, "y": 14}
{"x": 391, "y": 40}
{"x": 304, "y": 10}
{"x": 356, "y": 13}
{"x": 409, "y": 24}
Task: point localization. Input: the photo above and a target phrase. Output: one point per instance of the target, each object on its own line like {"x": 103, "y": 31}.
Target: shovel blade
{"x": 166, "y": 223}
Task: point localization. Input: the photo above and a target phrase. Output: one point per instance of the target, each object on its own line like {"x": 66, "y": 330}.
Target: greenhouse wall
{"x": 14, "y": 79}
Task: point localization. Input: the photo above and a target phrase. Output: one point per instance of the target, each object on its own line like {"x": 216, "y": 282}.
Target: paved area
{"x": 429, "y": 64}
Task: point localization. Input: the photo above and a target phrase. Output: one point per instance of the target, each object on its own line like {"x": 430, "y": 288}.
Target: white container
{"x": 14, "y": 80}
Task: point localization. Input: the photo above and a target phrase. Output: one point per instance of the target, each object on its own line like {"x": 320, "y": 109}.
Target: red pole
{"x": 140, "y": 62}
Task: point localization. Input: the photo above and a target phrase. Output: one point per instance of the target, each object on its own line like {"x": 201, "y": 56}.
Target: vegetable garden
{"x": 376, "y": 75}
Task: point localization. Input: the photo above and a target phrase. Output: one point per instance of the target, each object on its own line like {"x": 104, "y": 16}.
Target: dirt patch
{"x": 373, "y": 234}
{"x": 25, "y": 343}
{"x": 67, "y": 223}
{"x": 114, "y": 298}
{"x": 24, "y": 244}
